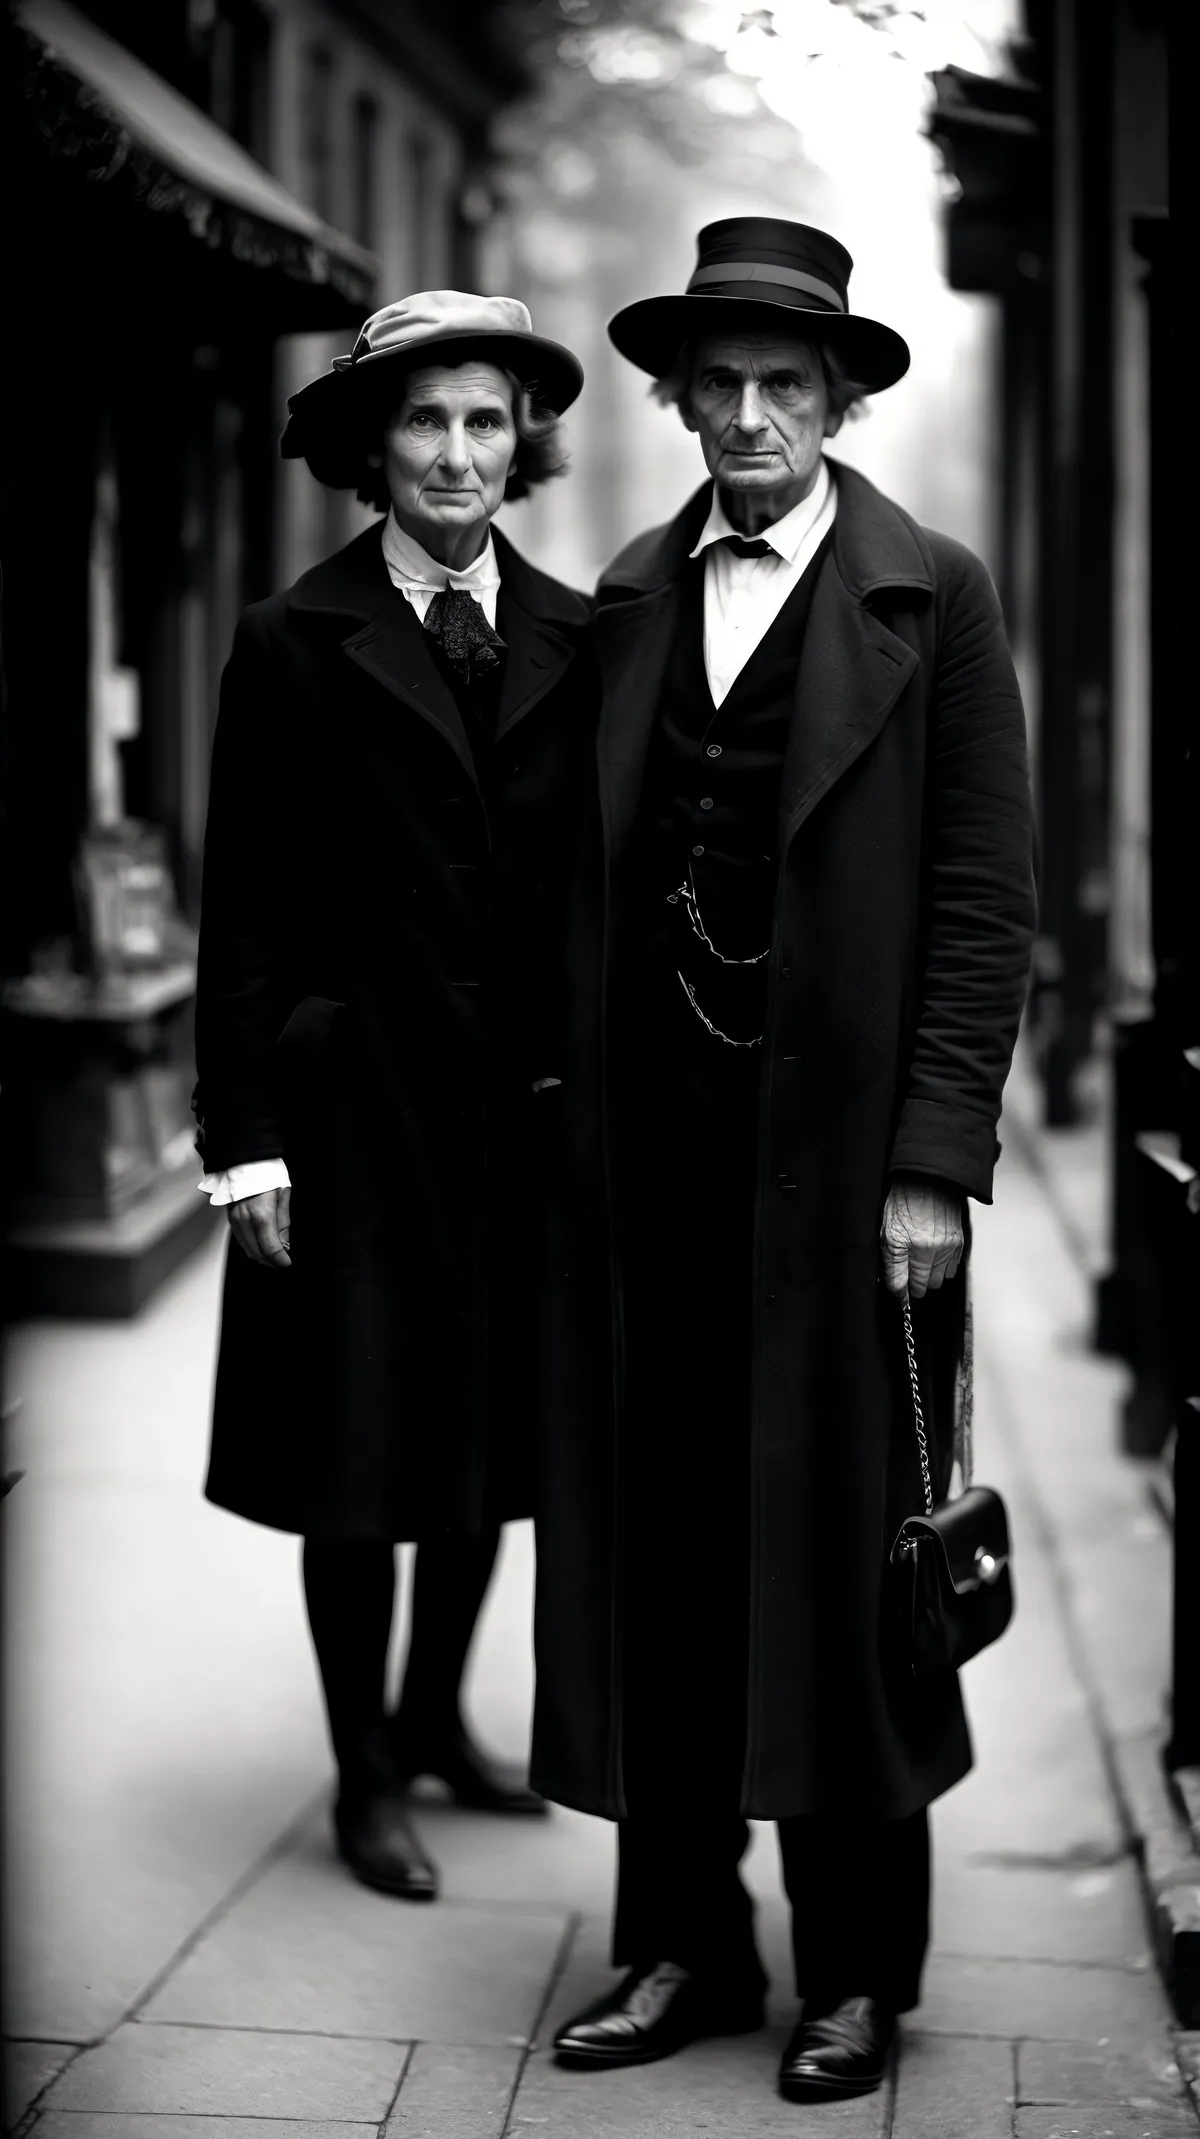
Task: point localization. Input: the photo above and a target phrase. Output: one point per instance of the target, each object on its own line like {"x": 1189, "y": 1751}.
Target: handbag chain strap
{"x": 918, "y": 1409}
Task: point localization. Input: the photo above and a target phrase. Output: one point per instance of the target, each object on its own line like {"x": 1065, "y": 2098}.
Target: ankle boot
{"x": 446, "y": 1750}
{"x": 375, "y": 1836}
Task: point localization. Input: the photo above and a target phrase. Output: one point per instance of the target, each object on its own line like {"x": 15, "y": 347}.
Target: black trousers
{"x": 859, "y": 1890}
{"x": 859, "y": 1894}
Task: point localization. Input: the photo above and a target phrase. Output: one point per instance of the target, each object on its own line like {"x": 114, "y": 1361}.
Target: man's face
{"x": 447, "y": 451}
{"x": 760, "y": 407}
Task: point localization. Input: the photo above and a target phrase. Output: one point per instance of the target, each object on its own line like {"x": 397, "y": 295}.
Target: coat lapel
{"x": 634, "y": 627}
{"x": 852, "y": 667}
{"x": 633, "y": 642}
{"x": 852, "y": 670}
{"x": 387, "y": 640}
{"x": 539, "y": 621}
{"x": 393, "y": 649}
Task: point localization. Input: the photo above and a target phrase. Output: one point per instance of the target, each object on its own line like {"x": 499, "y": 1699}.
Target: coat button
{"x": 785, "y": 972}
{"x": 706, "y": 802}
{"x": 714, "y": 750}
{"x": 697, "y": 851}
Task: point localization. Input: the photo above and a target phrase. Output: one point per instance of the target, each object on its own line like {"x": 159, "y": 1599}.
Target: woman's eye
{"x": 421, "y": 423}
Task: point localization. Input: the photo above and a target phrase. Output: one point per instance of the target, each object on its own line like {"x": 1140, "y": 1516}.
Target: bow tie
{"x": 455, "y": 618}
{"x": 742, "y": 548}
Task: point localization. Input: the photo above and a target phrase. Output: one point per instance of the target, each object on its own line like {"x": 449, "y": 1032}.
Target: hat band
{"x": 790, "y": 278}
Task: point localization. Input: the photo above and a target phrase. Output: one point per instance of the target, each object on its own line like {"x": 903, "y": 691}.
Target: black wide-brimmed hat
{"x": 758, "y": 271}
{"x": 334, "y": 421}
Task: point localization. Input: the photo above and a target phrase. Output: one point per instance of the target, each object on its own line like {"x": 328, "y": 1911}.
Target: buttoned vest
{"x": 706, "y": 841}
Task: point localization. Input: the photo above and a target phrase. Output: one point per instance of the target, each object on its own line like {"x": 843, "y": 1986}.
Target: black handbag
{"x": 950, "y": 1566}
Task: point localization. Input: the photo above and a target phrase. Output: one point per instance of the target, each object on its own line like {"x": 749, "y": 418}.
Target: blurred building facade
{"x": 1063, "y": 169}
{"x": 202, "y": 200}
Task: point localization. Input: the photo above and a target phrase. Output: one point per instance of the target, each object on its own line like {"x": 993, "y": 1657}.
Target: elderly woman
{"x": 802, "y": 940}
{"x": 399, "y": 740}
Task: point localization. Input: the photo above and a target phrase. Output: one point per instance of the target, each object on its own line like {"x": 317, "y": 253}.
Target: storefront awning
{"x": 121, "y": 125}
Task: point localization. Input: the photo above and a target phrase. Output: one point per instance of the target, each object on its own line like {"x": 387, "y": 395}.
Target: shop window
{"x": 237, "y": 57}
{"x": 426, "y": 214}
{"x": 317, "y": 110}
{"x": 363, "y": 156}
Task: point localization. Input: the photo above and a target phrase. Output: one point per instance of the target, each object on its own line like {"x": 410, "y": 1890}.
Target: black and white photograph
{"x": 599, "y": 1074}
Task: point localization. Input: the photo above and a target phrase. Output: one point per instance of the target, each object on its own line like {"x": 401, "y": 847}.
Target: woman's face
{"x": 447, "y": 451}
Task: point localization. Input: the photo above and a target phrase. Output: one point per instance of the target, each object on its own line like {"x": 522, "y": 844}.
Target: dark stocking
{"x": 451, "y": 1574}
{"x": 349, "y": 1588}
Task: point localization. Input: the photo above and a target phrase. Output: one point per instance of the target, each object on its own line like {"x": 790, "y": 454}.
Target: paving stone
{"x": 229, "y": 2072}
{"x": 564, "y": 1862}
{"x": 950, "y": 2085}
{"x": 144, "y": 1789}
{"x": 1106, "y": 2123}
{"x": 586, "y": 1972}
{"x": 1039, "y": 1999}
{"x": 309, "y": 1949}
{"x": 1187, "y": 2050}
{"x": 1060, "y": 2073}
{"x": 1038, "y": 1793}
{"x": 28, "y": 2067}
{"x": 1121, "y": 1597}
{"x": 722, "y": 2089}
{"x": 455, "y": 2094}
{"x": 1015, "y": 1913}
{"x": 103, "y": 2124}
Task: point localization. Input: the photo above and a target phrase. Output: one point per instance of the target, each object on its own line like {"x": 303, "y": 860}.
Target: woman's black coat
{"x": 379, "y": 988}
{"x": 902, "y": 933}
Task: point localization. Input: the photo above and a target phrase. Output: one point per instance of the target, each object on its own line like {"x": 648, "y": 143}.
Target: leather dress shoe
{"x": 837, "y": 2049}
{"x": 473, "y": 1780}
{"x": 651, "y": 2014}
{"x": 375, "y": 1840}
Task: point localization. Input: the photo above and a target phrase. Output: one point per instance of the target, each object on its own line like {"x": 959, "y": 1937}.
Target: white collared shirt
{"x": 744, "y": 595}
{"x": 418, "y": 576}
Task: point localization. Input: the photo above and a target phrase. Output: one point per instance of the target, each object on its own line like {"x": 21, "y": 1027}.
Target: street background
{"x": 235, "y": 184}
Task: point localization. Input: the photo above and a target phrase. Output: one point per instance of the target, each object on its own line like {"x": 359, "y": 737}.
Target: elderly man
{"x": 398, "y": 746}
{"x": 799, "y": 959}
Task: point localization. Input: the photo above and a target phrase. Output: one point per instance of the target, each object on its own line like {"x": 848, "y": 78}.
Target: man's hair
{"x": 846, "y": 395}
{"x": 540, "y": 452}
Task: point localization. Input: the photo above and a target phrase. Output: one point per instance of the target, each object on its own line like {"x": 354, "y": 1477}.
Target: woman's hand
{"x": 262, "y": 1227}
{"x": 922, "y": 1236}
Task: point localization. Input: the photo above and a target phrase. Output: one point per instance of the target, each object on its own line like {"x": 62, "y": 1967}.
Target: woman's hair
{"x": 540, "y": 452}
{"x": 674, "y": 389}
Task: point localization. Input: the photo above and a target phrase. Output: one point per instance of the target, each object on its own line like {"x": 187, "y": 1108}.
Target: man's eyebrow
{"x": 786, "y": 367}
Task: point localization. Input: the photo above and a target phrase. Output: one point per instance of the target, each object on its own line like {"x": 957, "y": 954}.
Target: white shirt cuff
{"x": 252, "y": 1179}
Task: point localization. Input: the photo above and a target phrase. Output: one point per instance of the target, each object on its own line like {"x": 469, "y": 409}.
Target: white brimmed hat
{"x": 332, "y": 421}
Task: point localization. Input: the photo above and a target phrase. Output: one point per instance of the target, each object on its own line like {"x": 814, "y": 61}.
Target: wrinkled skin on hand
{"x": 262, "y": 1227}
{"x": 922, "y": 1237}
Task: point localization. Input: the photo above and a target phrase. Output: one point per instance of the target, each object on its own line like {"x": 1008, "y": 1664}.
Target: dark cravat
{"x": 742, "y": 548}
{"x": 468, "y": 642}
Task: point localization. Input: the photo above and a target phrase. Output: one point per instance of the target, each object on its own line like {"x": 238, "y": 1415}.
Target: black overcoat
{"x": 901, "y": 938}
{"x": 379, "y": 960}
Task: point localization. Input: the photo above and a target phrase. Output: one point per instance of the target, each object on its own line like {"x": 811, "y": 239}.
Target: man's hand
{"x": 922, "y": 1237}
{"x": 262, "y": 1227}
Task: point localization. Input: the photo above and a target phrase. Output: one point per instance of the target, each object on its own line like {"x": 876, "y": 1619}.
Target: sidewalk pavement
{"x": 187, "y": 1958}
